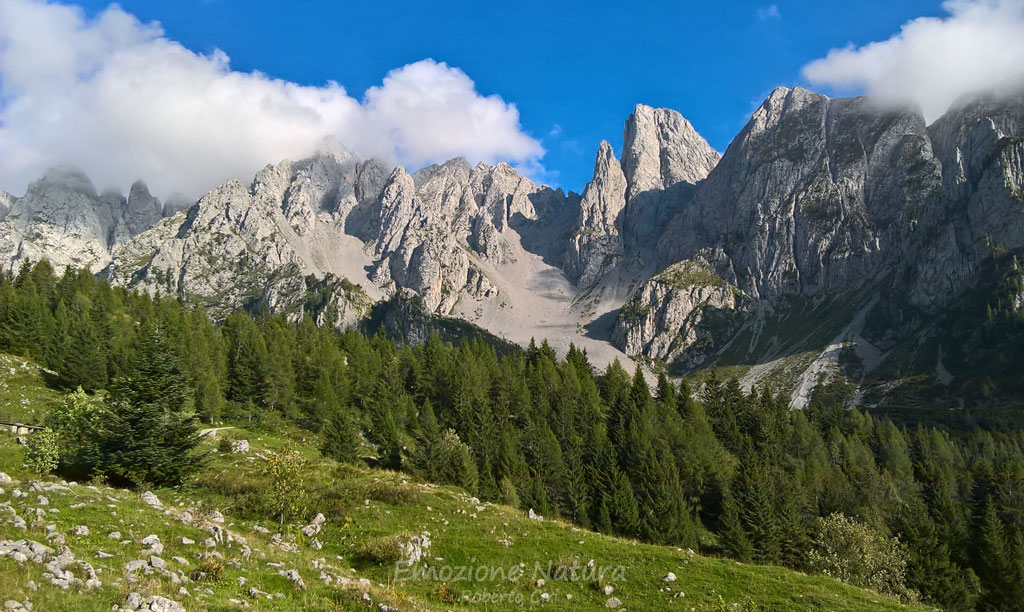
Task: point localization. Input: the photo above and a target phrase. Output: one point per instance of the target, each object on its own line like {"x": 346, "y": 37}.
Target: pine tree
{"x": 995, "y": 559}
{"x": 732, "y": 537}
{"x": 623, "y": 508}
{"x": 152, "y": 433}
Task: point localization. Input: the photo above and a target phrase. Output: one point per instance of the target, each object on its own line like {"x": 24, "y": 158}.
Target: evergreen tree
{"x": 732, "y": 537}
{"x": 152, "y": 433}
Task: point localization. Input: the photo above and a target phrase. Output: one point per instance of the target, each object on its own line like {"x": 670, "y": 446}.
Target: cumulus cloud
{"x": 978, "y": 47}
{"x": 117, "y": 98}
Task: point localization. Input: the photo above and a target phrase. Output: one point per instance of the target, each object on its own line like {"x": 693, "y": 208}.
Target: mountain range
{"x": 835, "y": 241}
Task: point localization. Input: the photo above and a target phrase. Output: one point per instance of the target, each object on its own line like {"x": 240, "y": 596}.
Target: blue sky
{"x": 580, "y": 66}
{"x": 189, "y": 93}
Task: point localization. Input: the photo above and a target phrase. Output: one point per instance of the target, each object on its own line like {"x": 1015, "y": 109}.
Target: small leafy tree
{"x": 68, "y": 443}
{"x": 287, "y": 494}
{"x": 42, "y": 452}
{"x": 855, "y": 553}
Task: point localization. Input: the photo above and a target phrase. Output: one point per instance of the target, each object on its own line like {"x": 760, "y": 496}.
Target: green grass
{"x": 362, "y": 506}
{"x": 24, "y": 394}
{"x": 365, "y": 510}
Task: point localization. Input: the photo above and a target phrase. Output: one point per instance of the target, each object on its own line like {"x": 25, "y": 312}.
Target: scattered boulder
{"x": 240, "y": 446}
{"x": 151, "y": 499}
{"x": 153, "y": 542}
{"x": 314, "y": 528}
{"x": 156, "y": 603}
{"x": 80, "y": 530}
{"x": 294, "y": 576}
{"x": 414, "y": 548}
{"x": 533, "y": 516}
{"x": 135, "y": 565}
{"x": 133, "y": 601}
{"x": 5, "y": 479}
{"x": 613, "y": 602}
{"x": 670, "y": 577}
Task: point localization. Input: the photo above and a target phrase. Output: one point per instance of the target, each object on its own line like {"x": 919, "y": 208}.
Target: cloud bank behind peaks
{"x": 118, "y": 99}
{"x": 977, "y": 48}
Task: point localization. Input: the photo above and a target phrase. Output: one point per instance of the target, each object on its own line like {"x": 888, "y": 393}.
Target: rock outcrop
{"x": 820, "y": 196}
{"x": 813, "y": 195}
{"x": 667, "y": 316}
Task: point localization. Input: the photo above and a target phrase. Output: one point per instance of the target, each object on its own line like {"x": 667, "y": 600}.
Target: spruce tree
{"x": 152, "y": 433}
{"x": 732, "y": 537}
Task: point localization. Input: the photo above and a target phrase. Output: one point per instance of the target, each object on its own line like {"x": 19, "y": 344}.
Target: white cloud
{"x": 977, "y": 48}
{"x": 769, "y": 12}
{"x": 118, "y": 99}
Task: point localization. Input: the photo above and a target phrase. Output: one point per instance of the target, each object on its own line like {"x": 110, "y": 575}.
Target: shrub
{"x": 383, "y": 550}
{"x": 509, "y": 494}
{"x": 287, "y": 494}
{"x": 454, "y": 462}
{"x": 856, "y": 554}
{"x": 208, "y": 570}
{"x": 394, "y": 494}
{"x": 42, "y": 452}
{"x": 69, "y": 442}
{"x": 445, "y": 593}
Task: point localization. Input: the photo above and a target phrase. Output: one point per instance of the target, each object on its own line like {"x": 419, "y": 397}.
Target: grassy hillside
{"x": 364, "y": 509}
{"x": 24, "y": 396}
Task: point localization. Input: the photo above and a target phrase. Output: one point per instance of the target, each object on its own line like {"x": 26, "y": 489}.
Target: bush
{"x": 445, "y": 593}
{"x": 383, "y": 550}
{"x": 509, "y": 494}
{"x": 394, "y": 494}
{"x": 208, "y": 570}
{"x": 69, "y": 442}
{"x": 454, "y": 462}
{"x": 856, "y": 554}
{"x": 287, "y": 494}
{"x": 42, "y": 452}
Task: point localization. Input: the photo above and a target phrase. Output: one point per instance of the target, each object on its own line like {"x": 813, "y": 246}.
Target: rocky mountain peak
{"x": 597, "y": 245}
{"x": 661, "y": 148}
{"x": 142, "y": 209}
{"x": 65, "y": 178}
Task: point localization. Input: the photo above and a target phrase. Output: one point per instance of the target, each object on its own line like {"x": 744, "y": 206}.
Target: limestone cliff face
{"x": 625, "y": 206}
{"x": 254, "y": 244}
{"x": 61, "y": 217}
{"x": 6, "y": 200}
{"x": 981, "y": 148}
{"x": 436, "y": 229}
{"x": 335, "y": 215}
{"x": 813, "y": 195}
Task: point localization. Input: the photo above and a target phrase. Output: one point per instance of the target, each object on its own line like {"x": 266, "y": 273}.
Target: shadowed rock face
{"x": 813, "y": 195}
